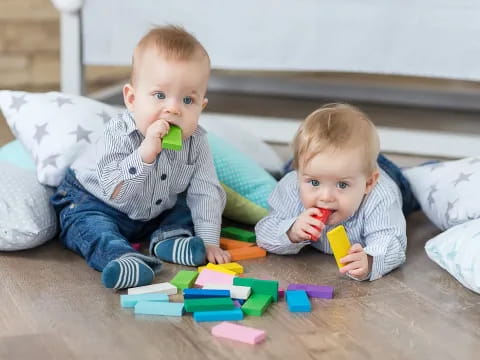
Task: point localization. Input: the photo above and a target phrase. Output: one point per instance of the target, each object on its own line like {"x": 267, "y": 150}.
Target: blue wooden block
{"x": 221, "y": 315}
{"x": 297, "y": 301}
{"x": 204, "y": 293}
{"x": 159, "y": 308}
{"x": 129, "y": 301}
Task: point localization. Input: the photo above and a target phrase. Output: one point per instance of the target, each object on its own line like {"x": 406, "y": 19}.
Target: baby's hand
{"x": 306, "y": 227}
{"x": 215, "y": 255}
{"x": 152, "y": 144}
{"x": 358, "y": 263}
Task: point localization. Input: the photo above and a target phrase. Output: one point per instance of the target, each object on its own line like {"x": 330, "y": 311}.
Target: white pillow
{"x": 26, "y": 217}
{"x": 447, "y": 191}
{"x": 457, "y": 250}
{"x": 54, "y": 127}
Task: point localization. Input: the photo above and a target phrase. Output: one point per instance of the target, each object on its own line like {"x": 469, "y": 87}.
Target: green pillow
{"x": 16, "y": 154}
{"x": 246, "y": 183}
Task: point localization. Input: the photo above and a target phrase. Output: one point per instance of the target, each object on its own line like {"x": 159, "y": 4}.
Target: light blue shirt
{"x": 150, "y": 189}
{"x": 378, "y": 225}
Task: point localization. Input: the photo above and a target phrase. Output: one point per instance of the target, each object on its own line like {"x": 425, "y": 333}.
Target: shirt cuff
{"x": 209, "y": 233}
{"x": 378, "y": 266}
{"x": 133, "y": 167}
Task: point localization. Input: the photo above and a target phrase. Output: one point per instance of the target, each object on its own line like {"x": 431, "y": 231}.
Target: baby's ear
{"x": 129, "y": 97}
{"x": 372, "y": 180}
{"x": 204, "y": 103}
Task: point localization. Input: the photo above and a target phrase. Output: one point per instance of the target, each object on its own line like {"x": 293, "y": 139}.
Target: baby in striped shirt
{"x": 137, "y": 190}
{"x": 338, "y": 167}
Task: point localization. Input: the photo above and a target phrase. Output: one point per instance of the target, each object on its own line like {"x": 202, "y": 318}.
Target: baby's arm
{"x": 273, "y": 230}
{"x": 121, "y": 170}
{"x": 206, "y": 200}
{"x": 385, "y": 237}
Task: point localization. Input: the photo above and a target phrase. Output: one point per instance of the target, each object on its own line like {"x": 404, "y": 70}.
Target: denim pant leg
{"x": 410, "y": 203}
{"x": 90, "y": 227}
{"x": 172, "y": 223}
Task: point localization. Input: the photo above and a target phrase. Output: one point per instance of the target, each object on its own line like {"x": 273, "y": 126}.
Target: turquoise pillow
{"x": 16, "y": 154}
{"x": 246, "y": 183}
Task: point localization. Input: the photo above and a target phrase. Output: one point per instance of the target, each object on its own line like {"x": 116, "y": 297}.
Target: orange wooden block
{"x": 228, "y": 244}
{"x": 244, "y": 253}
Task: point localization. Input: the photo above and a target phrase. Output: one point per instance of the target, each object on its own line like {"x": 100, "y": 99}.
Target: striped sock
{"x": 181, "y": 250}
{"x": 126, "y": 272}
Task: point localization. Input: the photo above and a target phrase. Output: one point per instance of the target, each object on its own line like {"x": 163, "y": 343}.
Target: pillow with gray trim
{"x": 54, "y": 127}
{"x": 447, "y": 191}
{"x": 26, "y": 217}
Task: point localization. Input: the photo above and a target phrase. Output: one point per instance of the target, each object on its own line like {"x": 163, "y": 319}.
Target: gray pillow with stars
{"x": 54, "y": 127}
{"x": 26, "y": 217}
{"x": 447, "y": 191}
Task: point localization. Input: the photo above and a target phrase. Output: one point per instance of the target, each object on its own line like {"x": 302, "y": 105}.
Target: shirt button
{"x": 132, "y": 170}
{"x": 163, "y": 177}
{"x": 158, "y": 202}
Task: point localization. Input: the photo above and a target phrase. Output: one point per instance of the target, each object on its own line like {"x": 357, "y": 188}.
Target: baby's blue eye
{"x": 187, "y": 100}
{"x": 342, "y": 185}
{"x": 159, "y": 95}
{"x": 314, "y": 182}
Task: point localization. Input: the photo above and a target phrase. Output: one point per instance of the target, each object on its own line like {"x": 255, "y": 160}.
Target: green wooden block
{"x": 243, "y": 281}
{"x": 173, "y": 140}
{"x": 184, "y": 279}
{"x": 256, "y": 304}
{"x": 208, "y": 304}
{"x": 238, "y": 234}
{"x": 268, "y": 287}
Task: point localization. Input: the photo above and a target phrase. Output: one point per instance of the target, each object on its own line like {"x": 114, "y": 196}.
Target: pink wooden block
{"x": 237, "y": 332}
{"x": 208, "y": 276}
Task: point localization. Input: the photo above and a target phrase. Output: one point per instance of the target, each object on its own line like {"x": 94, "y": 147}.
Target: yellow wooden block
{"x": 233, "y": 266}
{"x": 219, "y": 268}
{"x": 200, "y": 268}
{"x": 339, "y": 243}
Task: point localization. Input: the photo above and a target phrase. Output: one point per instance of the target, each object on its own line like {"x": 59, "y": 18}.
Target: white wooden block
{"x": 161, "y": 288}
{"x": 236, "y": 291}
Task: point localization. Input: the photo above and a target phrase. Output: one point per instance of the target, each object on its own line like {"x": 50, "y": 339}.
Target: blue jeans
{"x": 410, "y": 204}
{"x": 100, "y": 233}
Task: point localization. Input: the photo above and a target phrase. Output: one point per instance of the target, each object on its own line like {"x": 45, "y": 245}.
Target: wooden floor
{"x": 53, "y": 306}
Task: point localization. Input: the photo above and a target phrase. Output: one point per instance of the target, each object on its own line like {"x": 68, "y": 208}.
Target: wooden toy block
{"x": 281, "y": 292}
{"x": 208, "y": 304}
{"x": 229, "y": 244}
{"x": 161, "y": 288}
{"x": 256, "y": 304}
{"x": 233, "y": 266}
{"x": 238, "y": 234}
{"x": 173, "y": 139}
{"x": 220, "y": 268}
{"x": 159, "y": 308}
{"x": 339, "y": 243}
{"x": 222, "y": 315}
{"x": 243, "y": 281}
{"x": 251, "y": 252}
{"x": 240, "y": 301}
{"x": 236, "y": 291}
{"x": 237, "y": 304}
{"x": 129, "y": 301}
{"x": 323, "y": 217}
{"x": 297, "y": 301}
{"x": 208, "y": 276}
{"x": 314, "y": 291}
{"x": 237, "y": 332}
{"x": 268, "y": 287}
{"x": 184, "y": 279}
{"x": 204, "y": 293}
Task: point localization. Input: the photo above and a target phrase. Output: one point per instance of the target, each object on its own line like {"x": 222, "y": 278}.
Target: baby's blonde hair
{"x": 336, "y": 127}
{"x": 172, "y": 42}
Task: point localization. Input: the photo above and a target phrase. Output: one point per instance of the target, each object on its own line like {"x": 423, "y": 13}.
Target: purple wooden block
{"x": 316, "y": 291}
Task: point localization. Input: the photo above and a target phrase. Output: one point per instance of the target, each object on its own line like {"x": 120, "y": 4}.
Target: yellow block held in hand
{"x": 339, "y": 243}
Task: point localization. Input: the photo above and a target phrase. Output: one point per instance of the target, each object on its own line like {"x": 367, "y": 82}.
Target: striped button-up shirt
{"x": 378, "y": 225}
{"x": 149, "y": 189}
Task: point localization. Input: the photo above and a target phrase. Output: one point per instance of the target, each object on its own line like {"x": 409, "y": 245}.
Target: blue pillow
{"x": 246, "y": 183}
{"x": 16, "y": 154}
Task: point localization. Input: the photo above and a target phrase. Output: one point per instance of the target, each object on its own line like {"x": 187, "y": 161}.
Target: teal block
{"x": 129, "y": 301}
{"x": 159, "y": 308}
{"x": 297, "y": 301}
{"x": 222, "y": 315}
